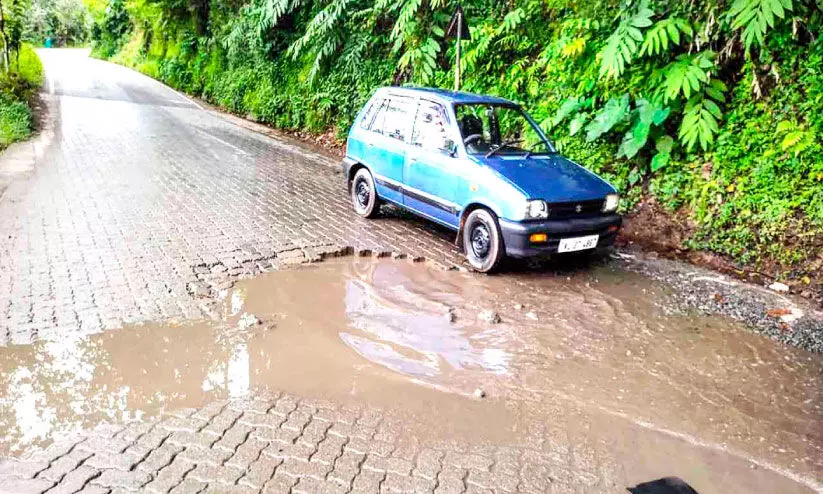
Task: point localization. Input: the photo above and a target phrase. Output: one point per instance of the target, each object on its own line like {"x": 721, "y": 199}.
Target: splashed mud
{"x": 592, "y": 355}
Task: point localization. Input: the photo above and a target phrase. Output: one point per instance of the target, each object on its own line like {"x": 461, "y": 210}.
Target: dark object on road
{"x": 666, "y": 485}
{"x": 479, "y": 165}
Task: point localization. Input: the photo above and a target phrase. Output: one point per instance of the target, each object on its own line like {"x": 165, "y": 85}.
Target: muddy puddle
{"x": 595, "y": 354}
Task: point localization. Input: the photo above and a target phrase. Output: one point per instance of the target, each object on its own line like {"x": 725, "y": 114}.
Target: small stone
{"x": 248, "y": 320}
{"x": 489, "y": 316}
{"x": 806, "y": 294}
{"x": 531, "y": 315}
{"x": 779, "y": 287}
{"x": 450, "y": 316}
{"x": 518, "y": 306}
{"x": 479, "y": 393}
{"x": 628, "y": 353}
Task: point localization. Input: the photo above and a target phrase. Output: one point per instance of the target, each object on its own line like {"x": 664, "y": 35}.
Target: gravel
{"x": 785, "y": 318}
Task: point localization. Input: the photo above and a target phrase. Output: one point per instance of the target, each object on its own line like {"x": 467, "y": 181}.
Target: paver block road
{"x": 137, "y": 192}
{"x": 142, "y": 206}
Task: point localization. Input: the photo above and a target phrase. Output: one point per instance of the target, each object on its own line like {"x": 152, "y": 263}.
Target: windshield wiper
{"x": 502, "y": 145}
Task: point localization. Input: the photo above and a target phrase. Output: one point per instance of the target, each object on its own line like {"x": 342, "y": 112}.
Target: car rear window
{"x": 399, "y": 117}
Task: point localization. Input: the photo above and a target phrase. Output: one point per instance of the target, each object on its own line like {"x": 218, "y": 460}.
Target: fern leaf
{"x": 755, "y": 17}
{"x": 574, "y": 47}
{"x": 791, "y": 140}
{"x": 785, "y": 126}
{"x": 621, "y": 46}
{"x": 699, "y": 124}
{"x": 686, "y": 75}
{"x": 662, "y": 33}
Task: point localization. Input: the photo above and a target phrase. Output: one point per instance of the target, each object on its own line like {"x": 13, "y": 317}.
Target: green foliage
{"x": 700, "y": 121}
{"x": 755, "y": 17}
{"x": 615, "y": 111}
{"x": 18, "y": 88}
{"x": 621, "y": 47}
{"x": 657, "y": 97}
{"x": 66, "y": 22}
{"x": 795, "y": 137}
{"x": 110, "y": 29}
{"x": 28, "y": 66}
{"x": 664, "y": 33}
{"x": 15, "y": 121}
{"x": 687, "y": 74}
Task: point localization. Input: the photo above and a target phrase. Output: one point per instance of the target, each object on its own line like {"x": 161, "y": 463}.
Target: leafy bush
{"x": 15, "y": 121}
{"x": 18, "y": 88}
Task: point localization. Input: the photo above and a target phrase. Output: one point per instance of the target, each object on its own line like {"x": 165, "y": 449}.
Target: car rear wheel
{"x": 482, "y": 240}
{"x": 364, "y": 195}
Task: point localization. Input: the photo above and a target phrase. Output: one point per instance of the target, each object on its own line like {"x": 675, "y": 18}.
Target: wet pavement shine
{"x": 593, "y": 356}
{"x": 167, "y": 325}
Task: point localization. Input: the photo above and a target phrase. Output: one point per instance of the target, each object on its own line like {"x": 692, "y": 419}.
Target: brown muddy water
{"x": 596, "y": 356}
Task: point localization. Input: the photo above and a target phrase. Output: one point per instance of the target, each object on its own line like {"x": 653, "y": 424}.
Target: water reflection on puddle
{"x": 412, "y": 333}
{"x": 378, "y": 332}
{"x": 337, "y": 329}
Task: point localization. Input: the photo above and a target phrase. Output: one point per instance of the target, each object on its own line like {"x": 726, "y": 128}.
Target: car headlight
{"x": 537, "y": 209}
{"x": 611, "y": 203}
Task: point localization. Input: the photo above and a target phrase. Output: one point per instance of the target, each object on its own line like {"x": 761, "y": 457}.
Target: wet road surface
{"x": 593, "y": 358}
{"x": 133, "y": 359}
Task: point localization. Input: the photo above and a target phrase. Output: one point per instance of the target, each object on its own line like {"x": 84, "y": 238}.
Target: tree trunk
{"x": 5, "y": 38}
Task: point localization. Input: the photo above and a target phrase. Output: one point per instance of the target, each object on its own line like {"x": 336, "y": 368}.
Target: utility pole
{"x": 457, "y": 64}
{"x": 460, "y": 30}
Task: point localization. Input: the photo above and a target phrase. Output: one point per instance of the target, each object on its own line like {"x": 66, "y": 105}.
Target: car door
{"x": 386, "y": 146}
{"x": 432, "y": 166}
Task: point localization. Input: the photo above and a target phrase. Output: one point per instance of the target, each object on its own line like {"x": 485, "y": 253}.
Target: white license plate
{"x": 578, "y": 243}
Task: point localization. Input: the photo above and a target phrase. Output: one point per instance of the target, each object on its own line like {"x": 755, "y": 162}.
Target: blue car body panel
{"x": 550, "y": 176}
{"x": 440, "y": 186}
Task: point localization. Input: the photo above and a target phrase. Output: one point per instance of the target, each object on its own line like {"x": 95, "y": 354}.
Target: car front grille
{"x": 575, "y": 209}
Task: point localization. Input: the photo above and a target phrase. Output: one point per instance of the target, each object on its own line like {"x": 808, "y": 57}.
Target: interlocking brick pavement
{"x": 140, "y": 207}
{"x": 250, "y": 458}
{"x": 140, "y": 203}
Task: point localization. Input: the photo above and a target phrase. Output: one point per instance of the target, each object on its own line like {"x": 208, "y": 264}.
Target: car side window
{"x": 375, "y": 116}
{"x": 430, "y": 127}
{"x": 398, "y": 118}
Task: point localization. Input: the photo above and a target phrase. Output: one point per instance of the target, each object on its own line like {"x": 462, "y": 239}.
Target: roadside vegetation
{"x": 19, "y": 82}
{"x": 25, "y": 24}
{"x": 705, "y": 113}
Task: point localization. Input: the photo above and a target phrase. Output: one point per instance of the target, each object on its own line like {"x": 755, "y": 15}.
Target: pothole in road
{"x": 399, "y": 335}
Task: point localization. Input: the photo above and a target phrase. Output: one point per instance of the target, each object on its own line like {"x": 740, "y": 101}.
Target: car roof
{"x": 444, "y": 95}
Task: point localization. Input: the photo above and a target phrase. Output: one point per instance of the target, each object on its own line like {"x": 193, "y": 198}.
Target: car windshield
{"x": 490, "y": 129}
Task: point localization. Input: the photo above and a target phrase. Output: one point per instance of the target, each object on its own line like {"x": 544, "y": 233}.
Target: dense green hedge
{"x": 709, "y": 106}
{"x": 18, "y": 88}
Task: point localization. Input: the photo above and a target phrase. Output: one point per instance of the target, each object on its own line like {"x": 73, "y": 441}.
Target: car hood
{"x": 552, "y": 178}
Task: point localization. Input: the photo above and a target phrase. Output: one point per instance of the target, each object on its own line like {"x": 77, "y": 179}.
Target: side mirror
{"x": 449, "y": 148}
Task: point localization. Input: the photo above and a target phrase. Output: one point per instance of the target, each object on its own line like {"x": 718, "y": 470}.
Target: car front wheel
{"x": 482, "y": 241}
{"x": 364, "y": 195}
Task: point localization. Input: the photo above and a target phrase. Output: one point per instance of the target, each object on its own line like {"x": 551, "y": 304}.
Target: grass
{"x": 18, "y": 88}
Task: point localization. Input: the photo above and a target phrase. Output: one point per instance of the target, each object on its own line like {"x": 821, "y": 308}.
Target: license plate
{"x": 578, "y": 243}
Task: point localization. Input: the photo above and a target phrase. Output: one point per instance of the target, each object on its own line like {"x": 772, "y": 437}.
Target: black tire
{"x": 482, "y": 241}
{"x": 364, "y": 195}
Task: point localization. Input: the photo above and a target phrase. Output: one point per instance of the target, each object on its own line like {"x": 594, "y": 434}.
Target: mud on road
{"x": 595, "y": 357}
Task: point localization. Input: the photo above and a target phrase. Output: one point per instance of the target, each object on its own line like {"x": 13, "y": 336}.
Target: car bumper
{"x": 516, "y": 234}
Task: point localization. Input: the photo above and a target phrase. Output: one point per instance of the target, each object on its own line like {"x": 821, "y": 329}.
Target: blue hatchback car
{"x": 479, "y": 165}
